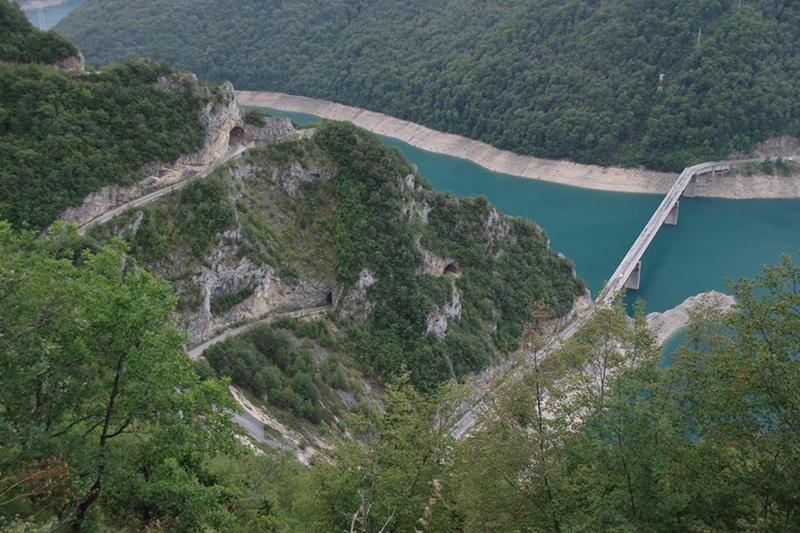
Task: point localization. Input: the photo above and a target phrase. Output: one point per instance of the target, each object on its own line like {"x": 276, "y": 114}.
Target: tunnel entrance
{"x": 237, "y": 137}
{"x": 452, "y": 268}
{"x": 329, "y": 299}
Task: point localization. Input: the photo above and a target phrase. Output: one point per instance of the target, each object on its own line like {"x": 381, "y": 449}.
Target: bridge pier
{"x": 632, "y": 283}
{"x": 672, "y": 216}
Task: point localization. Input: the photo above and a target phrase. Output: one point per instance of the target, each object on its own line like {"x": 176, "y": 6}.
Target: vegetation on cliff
{"x": 105, "y": 426}
{"x": 20, "y": 42}
{"x": 64, "y": 134}
{"x": 360, "y": 208}
{"x": 554, "y": 79}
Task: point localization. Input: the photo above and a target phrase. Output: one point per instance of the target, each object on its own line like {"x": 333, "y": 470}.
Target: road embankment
{"x": 616, "y": 179}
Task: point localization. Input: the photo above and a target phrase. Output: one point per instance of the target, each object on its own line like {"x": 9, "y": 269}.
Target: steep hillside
{"x": 66, "y": 133}
{"x": 419, "y": 281}
{"x": 558, "y": 79}
{"x": 22, "y": 43}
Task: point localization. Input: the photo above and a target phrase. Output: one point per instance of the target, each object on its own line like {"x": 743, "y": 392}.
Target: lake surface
{"x": 52, "y": 14}
{"x": 715, "y": 238}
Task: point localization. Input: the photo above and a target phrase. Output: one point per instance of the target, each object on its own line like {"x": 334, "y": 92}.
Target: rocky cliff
{"x": 218, "y": 116}
{"x": 456, "y": 275}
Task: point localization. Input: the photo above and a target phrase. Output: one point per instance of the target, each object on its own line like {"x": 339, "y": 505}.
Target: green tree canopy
{"x": 569, "y": 79}
{"x": 101, "y": 412}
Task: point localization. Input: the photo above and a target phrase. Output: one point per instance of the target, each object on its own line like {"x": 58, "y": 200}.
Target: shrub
{"x": 224, "y": 302}
{"x": 339, "y": 379}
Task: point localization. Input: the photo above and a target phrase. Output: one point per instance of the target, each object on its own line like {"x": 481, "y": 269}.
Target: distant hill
{"x": 569, "y": 79}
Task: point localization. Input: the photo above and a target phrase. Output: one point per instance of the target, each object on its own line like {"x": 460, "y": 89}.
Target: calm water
{"x": 52, "y": 14}
{"x": 715, "y": 239}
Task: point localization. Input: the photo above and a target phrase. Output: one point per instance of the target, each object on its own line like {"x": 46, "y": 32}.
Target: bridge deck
{"x": 634, "y": 255}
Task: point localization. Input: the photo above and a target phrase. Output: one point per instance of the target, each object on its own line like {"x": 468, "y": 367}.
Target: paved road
{"x": 198, "y": 350}
{"x": 236, "y": 150}
{"x": 470, "y": 417}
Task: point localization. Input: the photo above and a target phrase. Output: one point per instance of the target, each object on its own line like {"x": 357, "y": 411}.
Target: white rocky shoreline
{"x": 615, "y": 179}
{"x": 668, "y": 323}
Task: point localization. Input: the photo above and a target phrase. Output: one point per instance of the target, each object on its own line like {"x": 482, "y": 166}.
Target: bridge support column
{"x": 672, "y": 217}
{"x": 689, "y": 192}
{"x": 632, "y": 282}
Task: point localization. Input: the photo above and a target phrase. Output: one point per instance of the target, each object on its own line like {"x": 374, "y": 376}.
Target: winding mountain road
{"x": 198, "y": 350}
{"x": 234, "y": 152}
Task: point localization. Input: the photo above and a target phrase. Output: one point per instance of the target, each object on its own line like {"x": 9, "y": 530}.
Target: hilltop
{"x": 563, "y": 80}
{"x": 66, "y": 132}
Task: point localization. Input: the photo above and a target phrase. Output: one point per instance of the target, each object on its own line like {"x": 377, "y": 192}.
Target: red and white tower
{"x": 660, "y": 80}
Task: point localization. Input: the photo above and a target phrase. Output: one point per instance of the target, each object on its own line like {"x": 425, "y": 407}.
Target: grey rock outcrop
{"x": 433, "y": 265}
{"x": 440, "y": 319}
{"x": 274, "y": 129}
{"x": 666, "y": 324}
{"x": 74, "y": 63}
{"x": 270, "y": 293}
{"x": 355, "y": 304}
{"x": 218, "y": 119}
{"x": 296, "y": 175}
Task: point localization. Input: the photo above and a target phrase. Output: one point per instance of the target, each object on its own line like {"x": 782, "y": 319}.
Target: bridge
{"x": 628, "y": 273}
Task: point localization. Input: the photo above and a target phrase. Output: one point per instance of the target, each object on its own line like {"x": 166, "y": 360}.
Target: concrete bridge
{"x": 628, "y": 273}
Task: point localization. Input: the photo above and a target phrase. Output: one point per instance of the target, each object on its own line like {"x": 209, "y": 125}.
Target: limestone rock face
{"x": 290, "y": 181}
{"x": 218, "y": 120}
{"x": 439, "y": 319}
{"x": 355, "y": 303}
{"x": 666, "y": 324}
{"x": 274, "y": 129}
{"x": 782, "y": 146}
{"x": 76, "y": 63}
{"x": 270, "y": 293}
{"x": 436, "y": 266}
{"x": 581, "y": 305}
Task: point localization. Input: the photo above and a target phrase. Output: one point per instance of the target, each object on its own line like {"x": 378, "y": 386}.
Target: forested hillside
{"x": 64, "y": 134}
{"x": 435, "y": 286}
{"x": 558, "y": 79}
{"x": 107, "y": 425}
{"x": 22, "y": 43}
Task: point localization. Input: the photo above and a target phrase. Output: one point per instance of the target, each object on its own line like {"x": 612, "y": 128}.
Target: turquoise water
{"x": 52, "y": 14}
{"x": 670, "y": 345}
{"x": 714, "y": 239}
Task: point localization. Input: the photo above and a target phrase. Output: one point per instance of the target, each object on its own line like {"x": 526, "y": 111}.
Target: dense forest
{"x": 66, "y": 134}
{"x": 569, "y": 79}
{"x": 22, "y": 43}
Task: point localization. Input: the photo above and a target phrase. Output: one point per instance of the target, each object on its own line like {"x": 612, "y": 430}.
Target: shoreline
{"x": 613, "y": 179}
{"x": 668, "y": 323}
